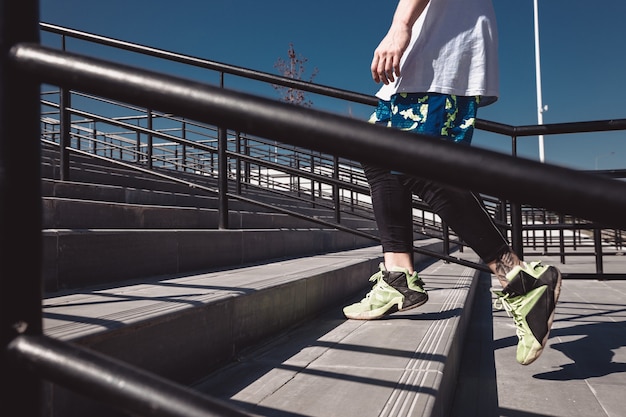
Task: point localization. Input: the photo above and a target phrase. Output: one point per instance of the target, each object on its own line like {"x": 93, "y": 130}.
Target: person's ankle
{"x": 503, "y": 265}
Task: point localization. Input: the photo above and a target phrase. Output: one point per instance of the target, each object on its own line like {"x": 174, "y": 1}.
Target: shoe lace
{"x": 377, "y": 277}
{"x": 503, "y": 302}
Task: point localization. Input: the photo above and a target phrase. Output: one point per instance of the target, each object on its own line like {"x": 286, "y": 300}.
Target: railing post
{"x": 138, "y": 148}
{"x": 516, "y": 217}
{"x": 20, "y": 198}
{"x": 238, "y": 163}
{"x": 562, "y": 238}
{"x": 312, "y": 181}
{"x": 247, "y": 174}
{"x": 597, "y": 244}
{"x": 446, "y": 238}
{"x": 336, "y": 197}
{"x": 183, "y": 161}
{"x": 516, "y": 230}
{"x": 222, "y": 163}
{"x": 149, "y": 149}
{"x": 65, "y": 141}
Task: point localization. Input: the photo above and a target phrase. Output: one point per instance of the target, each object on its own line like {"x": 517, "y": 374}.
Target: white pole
{"x": 540, "y": 107}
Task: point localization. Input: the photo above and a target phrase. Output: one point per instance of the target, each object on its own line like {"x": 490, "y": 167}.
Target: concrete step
{"x": 404, "y": 365}
{"x": 70, "y": 204}
{"x": 310, "y": 358}
{"x": 69, "y": 213}
{"x": 75, "y": 258}
{"x": 184, "y": 196}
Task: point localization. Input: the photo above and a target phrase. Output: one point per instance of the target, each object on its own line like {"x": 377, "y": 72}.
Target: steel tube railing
{"x": 20, "y": 207}
{"x": 220, "y": 67}
{"x": 552, "y": 187}
{"x": 111, "y": 381}
{"x": 223, "y": 69}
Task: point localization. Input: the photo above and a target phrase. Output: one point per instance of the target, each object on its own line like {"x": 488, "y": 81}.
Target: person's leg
{"x": 452, "y": 118}
{"x": 396, "y": 284}
{"x": 392, "y": 205}
{"x": 468, "y": 218}
{"x": 530, "y": 290}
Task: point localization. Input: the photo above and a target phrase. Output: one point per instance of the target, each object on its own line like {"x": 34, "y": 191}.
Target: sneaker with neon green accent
{"x": 394, "y": 290}
{"x": 530, "y": 297}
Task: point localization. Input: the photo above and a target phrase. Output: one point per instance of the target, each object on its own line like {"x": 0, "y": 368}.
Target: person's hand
{"x": 386, "y": 62}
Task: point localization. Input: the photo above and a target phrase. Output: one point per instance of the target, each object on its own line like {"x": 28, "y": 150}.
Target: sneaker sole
{"x": 412, "y": 306}
{"x": 383, "y": 311}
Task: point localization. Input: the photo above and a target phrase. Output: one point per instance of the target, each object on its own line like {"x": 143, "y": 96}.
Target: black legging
{"x": 459, "y": 209}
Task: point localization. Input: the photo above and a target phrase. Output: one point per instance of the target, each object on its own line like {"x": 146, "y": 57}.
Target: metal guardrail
{"x": 510, "y": 218}
{"x": 25, "y": 64}
{"x": 111, "y": 381}
{"x": 556, "y": 188}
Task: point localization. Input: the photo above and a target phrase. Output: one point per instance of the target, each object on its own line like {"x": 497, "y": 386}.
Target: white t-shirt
{"x": 453, "y": 50}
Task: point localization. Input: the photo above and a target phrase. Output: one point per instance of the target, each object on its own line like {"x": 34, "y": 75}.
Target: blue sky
{"x": 583, "y": 61}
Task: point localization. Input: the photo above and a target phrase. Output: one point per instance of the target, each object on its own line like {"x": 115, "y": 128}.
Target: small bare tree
{"x": 294, "y": 67}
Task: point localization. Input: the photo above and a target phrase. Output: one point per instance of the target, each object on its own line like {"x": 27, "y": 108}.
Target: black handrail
{"x": 112, "y": 381}
{"x": 490, "y": 126}
{"x": 516, "y": 221}
{"x": 212, "y": 65}
{"x": 20, "y": 207}
{"x": 513, "y": 131}
{"x": 556, "y": 188}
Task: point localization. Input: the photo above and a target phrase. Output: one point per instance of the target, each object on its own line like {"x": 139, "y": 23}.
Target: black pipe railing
{"x": 516, "y": 217}
{"x": 517, "y": 228}
{"x": 111, "y": 381}
{"x": 20, "y": 208}
{"x": 220, "y": 67}
{"x": 556, "y": 188}
{"x": 517, "y": 225}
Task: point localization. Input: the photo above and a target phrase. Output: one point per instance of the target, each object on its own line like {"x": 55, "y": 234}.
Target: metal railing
{"x": 28, "y": 355}
{"x": 175, "y": 154}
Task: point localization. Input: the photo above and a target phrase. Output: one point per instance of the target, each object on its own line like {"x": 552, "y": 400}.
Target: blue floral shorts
{"x": 442, "y": 115}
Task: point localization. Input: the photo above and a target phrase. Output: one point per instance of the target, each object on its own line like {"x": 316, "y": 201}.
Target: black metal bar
{"x": 517, "y": 241}
{"x": 561, "y": 238}
{"x": 65, "y": 141}
{"x": 222, "y": 166}
{"x": 215, "y": 66}
{"x": 602, "y": 277}
{"x": 556, "y": 188}
{"x": 576, "y": 127}
{"x": 111, "y": 381}
{"x": 20, "y": 207}
{"x": 150, "y": 140}
{"x": 495, "y": 127}
{"x": 238, "y": 162}
{"x": 597, "y": 244}
{"x": 336, "y": 196}
{"x": 490, "y": 126}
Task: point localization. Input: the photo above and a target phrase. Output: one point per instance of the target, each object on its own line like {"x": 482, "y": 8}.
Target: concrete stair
{"x": 111, "y": 224}
{"x": 139, "y": 271}
{"x": 204, "y": 330}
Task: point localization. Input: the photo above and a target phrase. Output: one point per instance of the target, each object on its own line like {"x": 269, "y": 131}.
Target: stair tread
{"x": 402, "y": 365}
{"x": 78, "y": 313}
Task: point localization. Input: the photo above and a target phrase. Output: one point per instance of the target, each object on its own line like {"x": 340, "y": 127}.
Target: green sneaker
{"x": 530, "y": 298}
{"x": 394, "y": 290}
